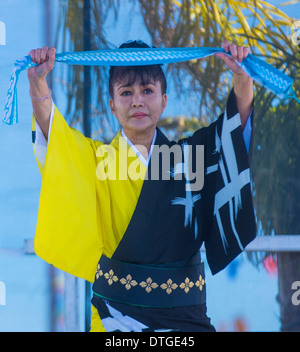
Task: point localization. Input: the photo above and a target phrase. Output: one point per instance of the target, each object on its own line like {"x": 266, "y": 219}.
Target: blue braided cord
{"x": 268, "y": 76}
{"x": 262, "y": 72}
{"x": 135, "y": 57}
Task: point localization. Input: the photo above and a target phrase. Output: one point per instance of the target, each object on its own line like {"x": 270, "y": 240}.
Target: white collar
{"x": 137, "y": 152}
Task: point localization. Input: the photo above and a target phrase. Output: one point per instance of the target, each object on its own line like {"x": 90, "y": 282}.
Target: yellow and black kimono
{"x": 138, "y": 238}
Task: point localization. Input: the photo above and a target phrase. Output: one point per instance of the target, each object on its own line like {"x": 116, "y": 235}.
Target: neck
{"x": 141, "y": 140}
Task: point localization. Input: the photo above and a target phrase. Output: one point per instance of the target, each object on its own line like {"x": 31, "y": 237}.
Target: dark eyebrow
{"x": 126, "y": 85}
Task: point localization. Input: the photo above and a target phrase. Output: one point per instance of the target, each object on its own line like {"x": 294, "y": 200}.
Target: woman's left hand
{"x": 238, "y": 53}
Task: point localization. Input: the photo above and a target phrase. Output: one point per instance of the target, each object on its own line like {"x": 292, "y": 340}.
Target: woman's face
{"x": 138, "y": 106}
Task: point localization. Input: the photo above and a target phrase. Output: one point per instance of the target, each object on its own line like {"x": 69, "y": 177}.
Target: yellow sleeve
{"x": 96, "y": 323}
{"x": 68, "y": 234}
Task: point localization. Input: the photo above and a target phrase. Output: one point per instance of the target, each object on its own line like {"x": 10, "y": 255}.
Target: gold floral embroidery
{"x": 149, "y": 285}
{"x": 200, "y": 283}
{"x": 99, "y": 272}
{"x": 169, "y": 286}
{"x": 186, "y": 285}
{"x": 128, "y": 282}
{"x": 111, "y": 277}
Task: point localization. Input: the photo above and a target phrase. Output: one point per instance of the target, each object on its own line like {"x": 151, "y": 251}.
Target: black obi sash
{"x": 151, "y": 286}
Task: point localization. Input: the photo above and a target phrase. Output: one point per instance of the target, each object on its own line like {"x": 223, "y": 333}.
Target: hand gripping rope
{"x": 262, "y": 72}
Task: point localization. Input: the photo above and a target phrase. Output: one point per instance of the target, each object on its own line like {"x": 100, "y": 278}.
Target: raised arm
{"x": 39, "y": 91}
{"x": 243, "y": 84}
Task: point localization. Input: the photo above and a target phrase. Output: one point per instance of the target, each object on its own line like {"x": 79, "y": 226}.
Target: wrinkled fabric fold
{"x": 263, "y": 73}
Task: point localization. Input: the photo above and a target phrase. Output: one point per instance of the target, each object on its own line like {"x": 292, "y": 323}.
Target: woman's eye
{"x": 126, "y": 93}
{"x": 148, "y": 91}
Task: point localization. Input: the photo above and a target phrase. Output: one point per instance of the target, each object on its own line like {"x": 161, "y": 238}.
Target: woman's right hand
{"x": 45, "y": 59}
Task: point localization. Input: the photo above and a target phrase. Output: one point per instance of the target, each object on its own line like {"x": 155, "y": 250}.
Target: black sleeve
{"x": 227, "y": 208}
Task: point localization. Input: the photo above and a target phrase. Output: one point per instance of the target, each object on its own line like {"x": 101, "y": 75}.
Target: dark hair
{"x": 130, "y": 74}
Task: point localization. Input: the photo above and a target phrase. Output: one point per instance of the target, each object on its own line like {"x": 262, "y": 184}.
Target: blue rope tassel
{"x": 262, "y": 72}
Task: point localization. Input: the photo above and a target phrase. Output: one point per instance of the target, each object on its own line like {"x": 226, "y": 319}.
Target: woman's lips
{"x": 139, "y": 115}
